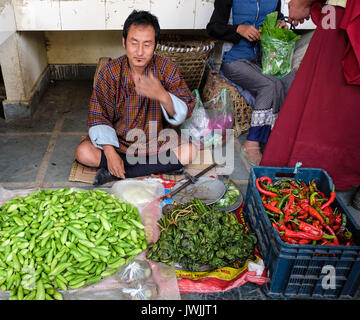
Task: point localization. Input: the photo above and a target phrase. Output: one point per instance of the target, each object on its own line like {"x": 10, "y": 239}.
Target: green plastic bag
{"x": 277, "y": 47}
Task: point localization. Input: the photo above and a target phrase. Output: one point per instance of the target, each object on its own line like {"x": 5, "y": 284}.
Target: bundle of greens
{"x": 277, "y": 47}
{"x": 194, "y": 235}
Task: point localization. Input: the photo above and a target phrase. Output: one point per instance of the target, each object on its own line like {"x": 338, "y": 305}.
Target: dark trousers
{"x": 146, "y": 166}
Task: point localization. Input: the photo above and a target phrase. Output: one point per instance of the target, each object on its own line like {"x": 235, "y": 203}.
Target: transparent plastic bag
{"x": 277, "y": 46}
{"x": 7, "y": 194}
{"x": 208, "y": 123}
{"x": 140, "y": 291}
{"x": 137, "y": 270}
{"x": 137, "y": 192}
{"x": 110, "y": 287}
{"x": 277, "y": 56}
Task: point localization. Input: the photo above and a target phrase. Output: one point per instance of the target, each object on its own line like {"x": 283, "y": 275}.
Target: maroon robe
{"x": 319, "y": 122}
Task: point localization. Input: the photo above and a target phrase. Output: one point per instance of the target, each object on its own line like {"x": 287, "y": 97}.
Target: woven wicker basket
{"x": 242, "y": 111}
{"x": 191, "y": 56}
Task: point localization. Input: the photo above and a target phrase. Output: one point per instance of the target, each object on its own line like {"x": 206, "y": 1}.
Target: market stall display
{"x": 301, "y": 270}
{"x": 65, "y": 239}
{"x": 196, "y": 236}
{"x": 302, "y": 214}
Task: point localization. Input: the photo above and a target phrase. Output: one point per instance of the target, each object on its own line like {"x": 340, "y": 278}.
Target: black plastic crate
{"x": 302, "y": 271}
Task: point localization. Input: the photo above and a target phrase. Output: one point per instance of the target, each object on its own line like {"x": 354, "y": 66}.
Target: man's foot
{"x": 251, "y": 152}
{"x": 103, "y": 176}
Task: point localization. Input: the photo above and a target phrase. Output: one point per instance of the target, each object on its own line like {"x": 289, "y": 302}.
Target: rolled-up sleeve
{"x": 181, "y": 111}
{"x": 103, "y": 134}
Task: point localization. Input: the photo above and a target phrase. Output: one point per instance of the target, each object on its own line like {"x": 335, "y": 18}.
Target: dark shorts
{"x": 146, "y": 165}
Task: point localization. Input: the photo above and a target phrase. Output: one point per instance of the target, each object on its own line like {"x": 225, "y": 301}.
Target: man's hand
{"x": 299, "y": 10}
{"x": 248, "y": 32}
{"x": 152, "y": 88}
{"x": 114, "y": 162}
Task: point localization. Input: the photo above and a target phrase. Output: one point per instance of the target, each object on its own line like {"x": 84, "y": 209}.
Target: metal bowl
{"x": 208, "y": 190}
{"x": 238, "y": 202}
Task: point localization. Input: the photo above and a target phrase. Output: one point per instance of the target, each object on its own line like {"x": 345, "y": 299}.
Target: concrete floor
{"x": 39, "y": 153}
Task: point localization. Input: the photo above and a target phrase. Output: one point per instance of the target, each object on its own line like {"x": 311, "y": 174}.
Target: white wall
{"x": 23, "y": 59}
{"x": 7, "y": 20}
{"x": 62, "y": 15}
{"x": 51, "y": 15}
{"x": 82, "y": 47}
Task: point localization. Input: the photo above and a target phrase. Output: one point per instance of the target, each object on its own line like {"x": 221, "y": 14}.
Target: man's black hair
{"x": 144, "y": 18}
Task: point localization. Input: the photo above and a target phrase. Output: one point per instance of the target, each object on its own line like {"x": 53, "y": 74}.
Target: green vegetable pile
{"x": 277, "y": 47}
{"x": 194, "y": 235}
{"x": 63, "y": 239}
{"x": 230, "y": 197}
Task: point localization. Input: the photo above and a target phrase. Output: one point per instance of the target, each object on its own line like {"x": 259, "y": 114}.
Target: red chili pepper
{"x": 263, "y": 191}
{"x": 309, "y": 228}
{"x": 331, "y": 199}
{"x": 304, "y": 241}
{"x": 290, "y": 240}
{"x": 302, "y": 215}
{"x": 290, "y": 202}
{"x": 301, "y": 235}
{"x": 312, "y": 212}
{"x": 327, "y": 211}
{"x": 274, "y": 203}
{"x": 321, "y": 194}
{"x": 272, "y": 208}
{"x": 305, "y": 200}
{"x": 338, "y": 219}
{"x": 275, "y": 226}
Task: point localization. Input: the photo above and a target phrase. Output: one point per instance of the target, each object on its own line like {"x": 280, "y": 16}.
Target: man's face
{"x": 140, "y": 45}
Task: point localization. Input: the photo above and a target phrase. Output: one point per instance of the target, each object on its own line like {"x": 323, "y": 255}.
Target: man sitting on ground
{"x": 137, "y": 91}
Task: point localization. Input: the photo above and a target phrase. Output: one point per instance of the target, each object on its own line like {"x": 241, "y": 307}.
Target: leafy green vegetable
{"x": 195, "y": 234}
{"x": 230, "y": 196}
{"x": 277, "y": 47}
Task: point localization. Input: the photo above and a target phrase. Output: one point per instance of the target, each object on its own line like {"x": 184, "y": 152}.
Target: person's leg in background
{"x": 269, "y": 94}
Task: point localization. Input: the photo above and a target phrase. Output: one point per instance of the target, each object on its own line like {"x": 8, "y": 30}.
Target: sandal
{"x": 254, "y": 161}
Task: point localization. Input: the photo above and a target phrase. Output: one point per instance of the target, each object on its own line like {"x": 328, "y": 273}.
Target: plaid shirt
{"x": 114, "y": 101}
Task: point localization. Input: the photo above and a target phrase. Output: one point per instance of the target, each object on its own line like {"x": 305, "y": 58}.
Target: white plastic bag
{"x": 208, "y": 123}
{"x": 138, "y": 192}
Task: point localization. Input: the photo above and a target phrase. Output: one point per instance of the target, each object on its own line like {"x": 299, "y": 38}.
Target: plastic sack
{"x": 208, "y": 123}
{"x": 6, "y": 195}
{"x": 277, "y": 47}
{"x": 138, "y": 192}
{"x": 160, "y": 285}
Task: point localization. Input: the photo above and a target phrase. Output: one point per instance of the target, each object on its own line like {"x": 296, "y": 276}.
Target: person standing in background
{"x": 242, "y": 64}
{"x": 319, "y": 122}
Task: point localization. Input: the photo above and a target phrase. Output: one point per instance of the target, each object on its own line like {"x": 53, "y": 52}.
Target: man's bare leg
{"x": 87, "y": 154}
